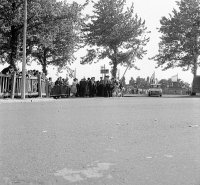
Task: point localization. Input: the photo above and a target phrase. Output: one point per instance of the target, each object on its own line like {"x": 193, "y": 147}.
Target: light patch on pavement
{"x": 69, "y": 175}
{"x": 94, "y": 171}
{"x": 111, "y": 150}
{"x": 168, "y": 155}
{"x": 44, "y": 131}
{"x": 149, "y": 157}
{"x": 109, "y": 176}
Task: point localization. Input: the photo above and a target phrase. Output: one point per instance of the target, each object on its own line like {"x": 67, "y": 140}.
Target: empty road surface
{"x": 101, "y": 141}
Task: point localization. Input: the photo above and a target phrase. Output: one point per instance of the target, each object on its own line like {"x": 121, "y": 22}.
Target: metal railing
{"x": 5, "y": 84}
{"x": 10, "y": 86}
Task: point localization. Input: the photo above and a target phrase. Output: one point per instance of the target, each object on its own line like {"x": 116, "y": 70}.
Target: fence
{"x": 10, "y": 86}
{"x": 176, "y": 91}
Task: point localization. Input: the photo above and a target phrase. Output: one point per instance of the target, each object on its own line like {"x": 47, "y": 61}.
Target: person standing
{"x": 66, "y": 85}
{"x": 107, "y": 88}
{"x": 101, "y": 87}
{"x": 87, "y": 87}
{"x": 83, "y": 85}
{"x": 74, "y": 88}
{"x": 92, "y": 87}
{"x": 50, "y": 86}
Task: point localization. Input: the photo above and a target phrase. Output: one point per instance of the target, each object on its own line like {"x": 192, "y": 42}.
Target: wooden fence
{"x": 10, "y": 86}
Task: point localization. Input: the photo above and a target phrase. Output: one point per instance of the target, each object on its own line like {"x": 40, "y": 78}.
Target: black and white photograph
{"x": 99, "y": 92}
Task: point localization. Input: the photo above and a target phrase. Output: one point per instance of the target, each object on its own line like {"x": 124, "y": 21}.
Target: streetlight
{"x": 23, "y": 89}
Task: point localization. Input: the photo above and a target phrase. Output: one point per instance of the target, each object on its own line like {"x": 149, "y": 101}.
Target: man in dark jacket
{"x": 83, "y": 85}
{"x": 92, "y": 87}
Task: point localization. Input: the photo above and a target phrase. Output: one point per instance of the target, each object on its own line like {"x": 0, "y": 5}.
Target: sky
{"x": 149, "y": 10}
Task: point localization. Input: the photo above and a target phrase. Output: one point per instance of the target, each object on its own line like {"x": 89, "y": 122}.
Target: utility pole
{"x": 23, "y": 89}
{"x": 104, "y": 71}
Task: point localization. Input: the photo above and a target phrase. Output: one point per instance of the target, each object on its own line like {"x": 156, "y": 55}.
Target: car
{"x": 155, "y": 90}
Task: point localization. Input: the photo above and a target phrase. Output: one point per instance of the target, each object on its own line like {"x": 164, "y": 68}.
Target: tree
{"x": 115, "y": 33}
{"x": 132, "y": 81}
{"x": 11, "y": 27}
{"x": 180, "y": 40}
{"x": 52, "y": 29}
{"x": 164, "y": 83}
{"x": 57, "y": 39}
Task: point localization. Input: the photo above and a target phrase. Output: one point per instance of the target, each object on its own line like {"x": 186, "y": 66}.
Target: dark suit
{"x": 83, "y": 85}
{"x": 92, "y": 88}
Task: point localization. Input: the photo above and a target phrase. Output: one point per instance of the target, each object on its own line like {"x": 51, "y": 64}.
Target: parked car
{"x": 155, "y": 90}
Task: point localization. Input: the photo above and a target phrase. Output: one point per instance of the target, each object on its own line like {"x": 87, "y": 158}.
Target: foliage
{"x": 132, "y": 81}
{"x": 168, "y": 83}
{"x": 52, "y": 30}
{"x": 140, "y": 83}
{"x": 143, "y": 83}
{"x": 114, "y": 32}
{"x": 180, "y": 40}
{"x": 11, "y": 27}
{"x": 58, "y": 38}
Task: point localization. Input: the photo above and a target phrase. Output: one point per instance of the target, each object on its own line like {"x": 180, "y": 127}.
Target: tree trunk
{"x": 13, "y": 46}
{"x": 13, "y": 40}
{"x": 44, "y": 64}
{"x": 114, "y": 70}
{"x": 44, "y": 68}
{"x": 195, "y": 66}
{"x": 115, "y": 63}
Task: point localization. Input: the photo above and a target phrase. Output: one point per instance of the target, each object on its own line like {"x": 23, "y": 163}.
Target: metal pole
{"x": 75, "y": 73}
{"x": 23, "y": 88}
{"x": 104, "y": 71}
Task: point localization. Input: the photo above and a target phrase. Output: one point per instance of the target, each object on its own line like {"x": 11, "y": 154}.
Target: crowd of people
{"x": 29, "y": 73}
{"x": 9, "y": 71}
{"x": 90, "y": 87}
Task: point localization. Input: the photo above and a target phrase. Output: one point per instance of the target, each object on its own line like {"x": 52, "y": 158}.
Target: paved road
{"x": 98, "y": 141}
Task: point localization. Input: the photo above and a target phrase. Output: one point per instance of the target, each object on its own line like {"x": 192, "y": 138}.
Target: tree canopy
{"x": 180, "y": 40}
{"x": 53, "y": 30}
{"x": 56, "y": 40}
{"x": 11, "y": 27}
{"x": 116, "y": 33}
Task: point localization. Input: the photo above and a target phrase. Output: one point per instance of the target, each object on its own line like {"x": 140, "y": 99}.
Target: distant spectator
{"x": 8, "y": 70}
{"x": 50, "y": 85}
{"x": 58, "y": 81}
{"x": 74, "y": 88}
